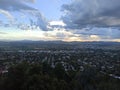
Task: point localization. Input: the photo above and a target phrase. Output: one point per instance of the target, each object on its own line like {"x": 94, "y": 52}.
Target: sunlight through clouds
{"x": 65, "y": 20}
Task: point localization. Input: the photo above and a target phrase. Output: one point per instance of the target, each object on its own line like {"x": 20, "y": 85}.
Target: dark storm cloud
{"x": 92, "y": 13}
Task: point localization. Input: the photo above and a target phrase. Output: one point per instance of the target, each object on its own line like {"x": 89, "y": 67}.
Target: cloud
{"x": 59, "y": 23}
{"x": 9, "y": 7}
{"x": 103, "y": 33}
{"x": 15, "y": 5}
{"x": 7, "y": 14}
{"x": 42, "y": 22}
{"x": 61, "y": 34}
{"x": 92, "y": 13}
{"x": 56, "y": 24}
{"x": 31, "y": 1}
{"x": 3, "y": 33}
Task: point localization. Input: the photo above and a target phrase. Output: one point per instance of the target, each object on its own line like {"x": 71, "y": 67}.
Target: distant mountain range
{"x": 60, "y": 42}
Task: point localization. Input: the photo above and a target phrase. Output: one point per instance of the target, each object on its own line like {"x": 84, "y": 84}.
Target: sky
{"x": 65, "y": 20}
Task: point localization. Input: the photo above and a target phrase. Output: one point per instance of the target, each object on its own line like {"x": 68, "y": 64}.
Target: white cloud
{"x": 7, "y": 14}
{"x": 59, "y": 23}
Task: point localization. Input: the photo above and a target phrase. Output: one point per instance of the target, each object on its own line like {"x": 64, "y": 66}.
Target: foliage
{"x": 41, "y": 76}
